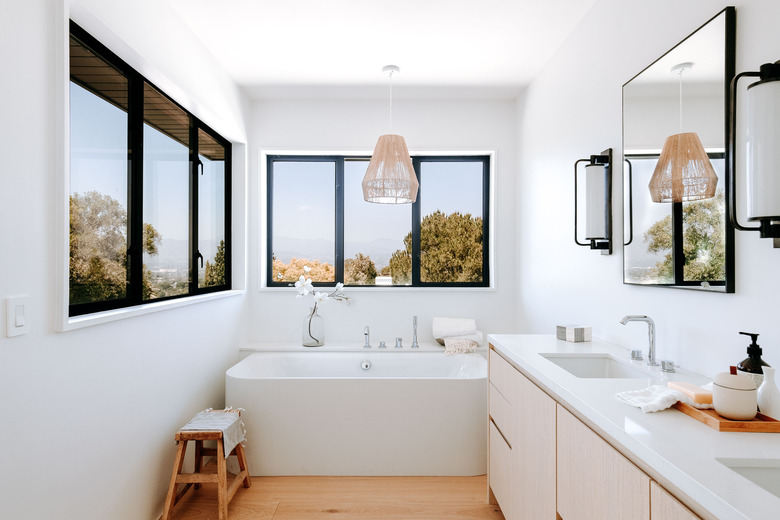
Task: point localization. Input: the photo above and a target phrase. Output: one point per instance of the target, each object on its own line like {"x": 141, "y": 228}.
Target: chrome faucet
{"x": 365, "y": 334}
{"x": 414, "y": 337}
{"x": 650, "y": 335}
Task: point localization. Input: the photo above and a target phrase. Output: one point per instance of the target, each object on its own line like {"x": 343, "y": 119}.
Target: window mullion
{"x": 339, "y": 267}
{"x": 416, "y": 225}
{"x": 195, "y": 254}
{"x": 135, "y": 218}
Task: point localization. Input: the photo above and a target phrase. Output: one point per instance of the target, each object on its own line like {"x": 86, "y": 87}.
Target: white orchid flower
{"x": 303, "y": 285}
{"x": 339, "y": 286}
{"x": 306, "y": 268}
{"x": 321, "y": 297}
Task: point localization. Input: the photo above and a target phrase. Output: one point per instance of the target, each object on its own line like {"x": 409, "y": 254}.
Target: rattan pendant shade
{"x": 684, "y": 172}
{"x": 390, "y": 177}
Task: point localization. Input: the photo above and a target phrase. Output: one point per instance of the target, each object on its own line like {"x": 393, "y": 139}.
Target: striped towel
{"x": 230, "y": 424}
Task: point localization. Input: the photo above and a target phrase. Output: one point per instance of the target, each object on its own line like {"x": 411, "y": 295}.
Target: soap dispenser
{"x": 752, "y": 365}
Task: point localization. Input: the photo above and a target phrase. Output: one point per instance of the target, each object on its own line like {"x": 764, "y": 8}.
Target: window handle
{"x": 200, "y": 165}
{"x": 201, "y": 258}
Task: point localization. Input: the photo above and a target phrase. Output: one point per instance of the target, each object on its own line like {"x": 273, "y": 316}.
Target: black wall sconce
{"x": 598, "y": 202}
{"x": 763, "y": 151}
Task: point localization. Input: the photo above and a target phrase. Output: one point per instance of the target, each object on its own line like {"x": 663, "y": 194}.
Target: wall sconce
{"x": 762, "y": 149}
{"x": 598, "y": 202}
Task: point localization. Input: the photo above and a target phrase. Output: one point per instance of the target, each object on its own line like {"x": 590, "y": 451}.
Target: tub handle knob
{"x": 398, "y": 343}
{"x": 382, "y": 344}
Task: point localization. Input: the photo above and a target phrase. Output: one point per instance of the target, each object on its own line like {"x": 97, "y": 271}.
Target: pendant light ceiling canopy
{"x": 684, "y": 172}
{"x": 390, "y": 177}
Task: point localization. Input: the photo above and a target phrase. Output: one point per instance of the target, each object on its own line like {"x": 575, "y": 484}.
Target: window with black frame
{"x": 318, "y": 220}
{"x": 149, "y": 189}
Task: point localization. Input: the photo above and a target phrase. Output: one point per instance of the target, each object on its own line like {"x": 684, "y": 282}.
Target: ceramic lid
{"x": 735, "y": 382}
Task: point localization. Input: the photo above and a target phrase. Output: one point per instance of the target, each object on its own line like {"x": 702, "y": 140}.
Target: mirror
{"x": 687, "y": 245}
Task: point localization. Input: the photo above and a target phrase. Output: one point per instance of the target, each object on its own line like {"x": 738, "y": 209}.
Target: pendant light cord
{"x": 390, "y": 74}
{"x": 681, "y": 103}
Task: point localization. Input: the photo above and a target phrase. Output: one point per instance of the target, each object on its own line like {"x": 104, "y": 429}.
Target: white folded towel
{"x": 449, "y": 327}
{"x": 655, "y": 398}
{"x": 229, "y": 423}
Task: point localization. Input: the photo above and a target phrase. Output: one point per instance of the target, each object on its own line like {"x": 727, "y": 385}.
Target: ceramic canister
{"x": 734, "y": 396}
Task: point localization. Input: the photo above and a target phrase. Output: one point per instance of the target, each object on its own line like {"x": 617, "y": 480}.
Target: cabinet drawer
{"x": 502, "y": 375}
{"x": 501, "y": 471}
{"x": 501, "y": 413}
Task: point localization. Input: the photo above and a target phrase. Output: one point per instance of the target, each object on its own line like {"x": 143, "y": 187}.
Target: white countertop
{"x": 670, "y": 446}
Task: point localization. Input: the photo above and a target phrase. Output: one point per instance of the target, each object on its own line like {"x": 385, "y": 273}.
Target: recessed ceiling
{"x": 312, "y": 47}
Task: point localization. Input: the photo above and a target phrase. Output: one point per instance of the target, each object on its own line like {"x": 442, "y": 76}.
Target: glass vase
{"x": 313, "y": 329}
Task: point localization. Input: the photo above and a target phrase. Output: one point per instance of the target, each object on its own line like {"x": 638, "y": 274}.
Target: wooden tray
{"x": 761, "y": 424}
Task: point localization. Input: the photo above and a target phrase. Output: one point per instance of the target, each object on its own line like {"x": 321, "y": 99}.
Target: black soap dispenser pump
{"x": 752, "y": 365}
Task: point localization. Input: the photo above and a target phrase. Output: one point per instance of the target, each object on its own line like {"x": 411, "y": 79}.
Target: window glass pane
{"x": 98, "y": 179}
{"x": 650, "y": 256}
{"x": 377, "y": 237}
{"x": 211, "y": 211}
{"x": 451, "y": 228}
{"x": 704, "y": 233}
{"x": 166, "y": 197}
{"x": 303, "y": 220}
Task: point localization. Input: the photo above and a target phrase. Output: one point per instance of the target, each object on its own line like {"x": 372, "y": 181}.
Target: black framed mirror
{"x": 686, "y": 244}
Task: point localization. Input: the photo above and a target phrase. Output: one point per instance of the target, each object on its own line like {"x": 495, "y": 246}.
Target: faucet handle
{"x": 398, "y": 343}
{"x": 382, "y": 344}
{"x": 668, "y": 366}
{"x": 636, "y": 355}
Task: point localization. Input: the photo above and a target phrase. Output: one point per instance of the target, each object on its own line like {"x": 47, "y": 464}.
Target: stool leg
{"x": 241, "y": 456}
{"x": 198, "y": 460}
{"x": 222, "y": 483}
{"x": 171, "y": 498}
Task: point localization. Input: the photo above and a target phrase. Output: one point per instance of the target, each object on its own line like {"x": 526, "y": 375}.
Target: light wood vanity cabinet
{"x": 594, "y": 480}
{"x": 664, "y": 506}
{"x": 525, "y": 415}
{"x": 545, "y": 463}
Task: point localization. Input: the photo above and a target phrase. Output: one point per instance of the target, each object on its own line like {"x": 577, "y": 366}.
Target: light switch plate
{"x": 17, "y": 316}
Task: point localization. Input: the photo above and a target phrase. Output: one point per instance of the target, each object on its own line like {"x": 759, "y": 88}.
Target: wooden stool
{"x": 224, "y": 493}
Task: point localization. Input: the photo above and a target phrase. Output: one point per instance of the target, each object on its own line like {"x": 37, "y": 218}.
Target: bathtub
{"x": 323, "y": 413}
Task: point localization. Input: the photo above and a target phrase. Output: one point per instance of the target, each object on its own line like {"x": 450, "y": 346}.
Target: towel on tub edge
{"x": 449, "y": 327}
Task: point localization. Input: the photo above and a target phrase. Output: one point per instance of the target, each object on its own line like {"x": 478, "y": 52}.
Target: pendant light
{"x": 684, "y": 172}
{"x": 390, "y": 177}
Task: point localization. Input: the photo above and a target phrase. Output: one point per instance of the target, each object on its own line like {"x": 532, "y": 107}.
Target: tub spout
{"x": 366, "y": 336}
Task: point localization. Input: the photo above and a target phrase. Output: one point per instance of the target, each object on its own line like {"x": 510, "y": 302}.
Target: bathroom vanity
{"x": 562, "y": 445}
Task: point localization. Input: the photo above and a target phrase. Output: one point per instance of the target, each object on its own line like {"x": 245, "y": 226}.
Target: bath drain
{"x": 365, "y": 365}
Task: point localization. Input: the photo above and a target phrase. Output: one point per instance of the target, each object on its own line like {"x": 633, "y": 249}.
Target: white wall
{"x": 88, "y": 416}
{"x": 574, "y": 109}
{"x": 354, "y": 125}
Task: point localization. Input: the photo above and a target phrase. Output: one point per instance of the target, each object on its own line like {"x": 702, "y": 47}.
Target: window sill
{"x": 384, "y": 289}
{"x": 88, "y": 320}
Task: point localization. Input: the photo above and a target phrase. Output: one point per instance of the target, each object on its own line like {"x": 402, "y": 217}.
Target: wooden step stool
{"x": 224, "y": 493}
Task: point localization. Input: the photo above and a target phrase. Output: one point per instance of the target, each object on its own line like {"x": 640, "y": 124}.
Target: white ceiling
{"x": 327, "y": 47}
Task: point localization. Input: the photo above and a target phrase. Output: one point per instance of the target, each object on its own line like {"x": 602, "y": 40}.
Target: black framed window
{"x": 317, "y": 219}
{"x": 149, "y": 189}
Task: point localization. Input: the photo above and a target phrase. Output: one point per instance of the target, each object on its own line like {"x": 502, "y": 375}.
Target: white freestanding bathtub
{"x": 323, "y": 413}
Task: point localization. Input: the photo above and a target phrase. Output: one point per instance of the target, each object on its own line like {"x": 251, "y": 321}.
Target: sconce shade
{"x": 595, "y": 202}
{"x": 390, "y": 177}
{"x": 684, "y": 172}
{"x": 762, "y": 103}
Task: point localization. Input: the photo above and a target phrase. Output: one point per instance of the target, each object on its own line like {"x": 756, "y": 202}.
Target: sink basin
{"x": 762, "y": 472}
{"x": 602, "y": 366}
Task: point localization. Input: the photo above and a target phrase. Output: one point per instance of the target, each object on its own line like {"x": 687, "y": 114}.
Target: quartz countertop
{"x": 673, "y": 448}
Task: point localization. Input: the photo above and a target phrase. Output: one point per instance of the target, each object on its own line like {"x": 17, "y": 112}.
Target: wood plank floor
{"x": 347, "y": 498}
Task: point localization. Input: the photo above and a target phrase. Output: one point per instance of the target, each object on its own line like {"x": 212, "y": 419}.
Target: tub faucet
{"x": 650, "y": 335}
{"x": 414, "y": 337}
{"x": 366, "y": 335}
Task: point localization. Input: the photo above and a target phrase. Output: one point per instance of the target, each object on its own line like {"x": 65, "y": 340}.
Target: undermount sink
{"x": 600, "y": 366}
{"x": 762, "y": 472}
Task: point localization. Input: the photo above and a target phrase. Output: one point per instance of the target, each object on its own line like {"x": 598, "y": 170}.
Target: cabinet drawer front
{"x": 501, "y": 413}
{"x": 502, "y": 375}
{"x": 501, "y": 471}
